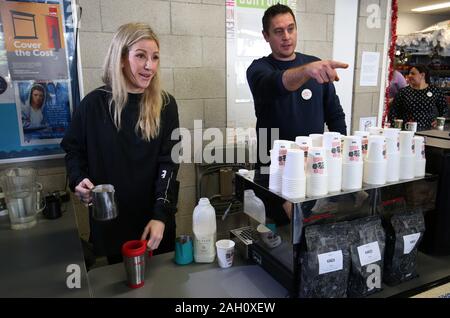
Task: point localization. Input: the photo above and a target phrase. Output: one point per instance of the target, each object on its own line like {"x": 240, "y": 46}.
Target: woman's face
{"x": 141, "y": 65}
{"x": 415, "y": 78}
{"x": 37, "y": 98}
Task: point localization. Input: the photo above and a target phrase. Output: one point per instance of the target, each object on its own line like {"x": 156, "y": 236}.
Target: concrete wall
{"x": 192, "y": 36}
{"x": 366, "y": 98}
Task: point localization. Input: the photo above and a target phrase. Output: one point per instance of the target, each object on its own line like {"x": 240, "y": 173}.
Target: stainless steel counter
{"x": 164, "y": 278}
{"x": 34, "y": 261}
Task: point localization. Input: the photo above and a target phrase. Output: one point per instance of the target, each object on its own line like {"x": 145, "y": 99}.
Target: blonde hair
{"x": 153, "y": 99}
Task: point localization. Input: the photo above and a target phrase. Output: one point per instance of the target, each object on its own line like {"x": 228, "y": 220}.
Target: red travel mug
{"x": 133, "y": 253}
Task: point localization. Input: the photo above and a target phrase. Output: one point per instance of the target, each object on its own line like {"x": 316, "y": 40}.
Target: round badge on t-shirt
{"x": 429, "y": 94}
{"x": 306, "y": 94}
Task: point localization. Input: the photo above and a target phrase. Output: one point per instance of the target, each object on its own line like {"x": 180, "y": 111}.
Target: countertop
{"x": 164, "y": 278}
{"x": 34, "y": 261}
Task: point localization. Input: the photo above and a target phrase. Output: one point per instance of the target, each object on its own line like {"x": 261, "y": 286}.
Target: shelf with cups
{"x": 376, "y": 173}
{"x": 262, "y": 183}
{"x": 283, "y": 261}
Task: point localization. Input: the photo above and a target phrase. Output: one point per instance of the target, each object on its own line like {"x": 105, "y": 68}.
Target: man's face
{"x": 282, "y": 37}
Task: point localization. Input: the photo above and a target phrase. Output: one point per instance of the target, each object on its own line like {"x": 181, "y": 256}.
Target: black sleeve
{"x": 74, "y": 144}
{"x": 441, "y": 104}
{"x": 334, "y": 114}
{"x": 166, "y": 185}
{"x": 265, "y": 81}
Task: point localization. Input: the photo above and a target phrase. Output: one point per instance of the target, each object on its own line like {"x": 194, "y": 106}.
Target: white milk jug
{"x": 254, "y": 207}
{"x": 204, "y": 228}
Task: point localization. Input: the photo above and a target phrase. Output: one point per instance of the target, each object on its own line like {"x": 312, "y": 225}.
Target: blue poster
{"x": 35, "y": 113}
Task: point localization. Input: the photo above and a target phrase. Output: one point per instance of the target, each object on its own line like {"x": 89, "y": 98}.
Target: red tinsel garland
{"x": 391, "y": 54}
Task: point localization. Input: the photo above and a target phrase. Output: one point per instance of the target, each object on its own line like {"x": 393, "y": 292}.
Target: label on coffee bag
{"x": 369, "y": 253}
{"x": 409, "y": 242}
{"x": 330, "y": 262}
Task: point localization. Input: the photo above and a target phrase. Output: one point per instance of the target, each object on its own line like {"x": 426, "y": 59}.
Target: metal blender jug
{"x": 20, "y": 193}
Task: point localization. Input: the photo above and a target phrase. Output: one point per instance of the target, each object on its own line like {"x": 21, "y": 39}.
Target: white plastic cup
{"x": 377, "y": 148}
{"x": 376, "y": 131}
{"x": 407, "y": 166}
{"x": 352, "y": 175}
{"x": 374, "y": 172}
{"x": 419, "y": 168}
{"x": 420, "y": 163}
{"x": 317, "y": 140}
{"x": 364, "y": 141}
{"x": 294, "y": 167}
{"x": 392, "y": 167}
{"x": 392, "y": 139}
{"x": 293, "y": 188}
{"x": 351, "y": 152}
{"x": 225, "y": 253}
{"x": 332, "y": 142}
{"x": 304, "y": 143}
{"x": 419, "y": 147}
{"x": 334, "y": 166}
{"x": 406, "y": 143}
{"x": 316, "y": 164}
{"x": 316, "y": 185}
{"x": 278, "y": 155}
{"x": 275, "y": 177}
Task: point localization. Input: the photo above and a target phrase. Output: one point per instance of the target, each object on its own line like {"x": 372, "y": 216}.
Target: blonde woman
{"x": 121, "y": 135}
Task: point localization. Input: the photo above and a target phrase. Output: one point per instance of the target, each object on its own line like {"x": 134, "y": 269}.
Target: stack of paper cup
{"x": 407, "y": 155}
{"x": 304, "y": 143}
{"x": 392, "y": 154}
{"x": 316, "y": 172}
{"x": 364, "y": 141}
{"x": 375, "y": 164}
{"x": 294, "y": 179}
{"x": 316, "y": 140}
{"x": 277, "y": 162}
{"x": 352, "y": 164}
{"x": 332, "y": 145}
{"x": 419, "y": 164}
{"x": 376, "y": 131}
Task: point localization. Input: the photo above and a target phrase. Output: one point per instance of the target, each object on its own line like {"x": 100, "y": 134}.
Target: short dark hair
{"x": 423, "y": 69}
{"x": 272, "y": 11}
{"x": 36, "y": 87}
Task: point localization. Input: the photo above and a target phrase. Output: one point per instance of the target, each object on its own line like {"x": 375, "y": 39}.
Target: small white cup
{"x": 294, "y": 168}
{"x": 225, "y": 253}
{"x": 392, "y": 139}
{"x": 316, "y": 139}
{"x": 406, "y": 143}
{"x": 351, "y": 152}
{"x": 304, "y": 143}
{"x": 377, "y": 148}
{"x": 375, "y": 130}
{"x": 419, "y": 147}
{"x": 411, "y": 126}
{"x": 364, "y": 141}
{"x": 316, "y": 164}
{"x": 332, "y": 143}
